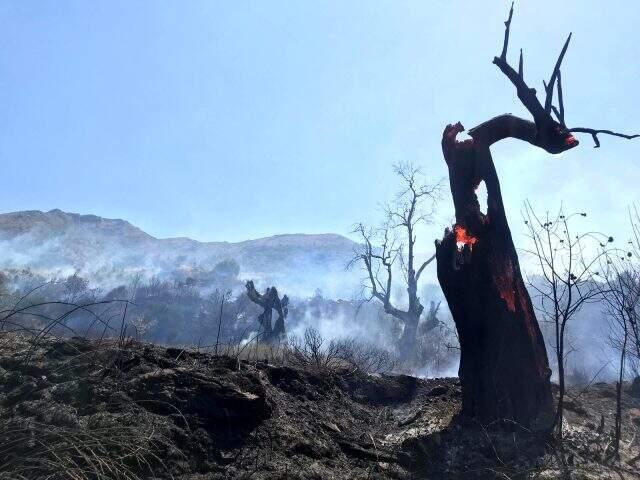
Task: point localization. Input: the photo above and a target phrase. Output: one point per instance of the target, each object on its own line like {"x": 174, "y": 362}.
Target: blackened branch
{"x": 560, "y": 100}
{"x": 554, "y": 75}
{"x": 526, "y": 94}
{"x": 558, "y": 112}
{"x": 520, "y": 66}
{"x": 594, "y": 133}
{"x": 507, "y": 26}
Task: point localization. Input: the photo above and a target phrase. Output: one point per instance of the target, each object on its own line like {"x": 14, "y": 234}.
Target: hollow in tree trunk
{"x": 504, "y": 370}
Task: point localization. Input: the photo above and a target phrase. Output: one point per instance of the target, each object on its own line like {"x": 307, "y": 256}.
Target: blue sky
{"x": 236, "y": 120}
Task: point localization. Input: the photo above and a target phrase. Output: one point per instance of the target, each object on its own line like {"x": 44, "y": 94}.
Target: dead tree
{"x": 504, "y": 370}
{"x": 393, "y": 245}
{"x": 634, "y": 254}
{"x": 621, "y": 295}
{"x": 269, "y": 301}
{"x": 566, "y": 262}
{"x": 622, "y": 299}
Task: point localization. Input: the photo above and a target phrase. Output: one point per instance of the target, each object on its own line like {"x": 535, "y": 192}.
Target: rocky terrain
{"x": 110, "y": 251}
{"x": 76, "y": 409}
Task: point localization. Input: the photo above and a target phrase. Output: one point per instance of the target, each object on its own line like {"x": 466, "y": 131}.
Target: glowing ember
{"x": 463, "y": 238}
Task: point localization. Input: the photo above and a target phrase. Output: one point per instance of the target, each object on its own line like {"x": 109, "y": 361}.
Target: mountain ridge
{"x": 5, "y": 216}
{"x": 108, "y": 250}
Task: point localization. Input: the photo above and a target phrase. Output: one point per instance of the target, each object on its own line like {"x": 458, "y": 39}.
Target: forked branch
{"x": 594, "y": 134}
{"x": 552, "y": 135}
{"x": 549, "y": 88}
{"x": 526, "y": 94}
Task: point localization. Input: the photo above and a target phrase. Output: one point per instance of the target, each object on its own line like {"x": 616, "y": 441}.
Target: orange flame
{"x": 463, "y": 238}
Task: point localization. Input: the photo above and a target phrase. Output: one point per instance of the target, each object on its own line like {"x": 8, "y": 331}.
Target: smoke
{"x": 366, "y": 325}
{"x": 590, "y": 351}
{"x": 309, "y": 269}
{"x": 111, "y": 252}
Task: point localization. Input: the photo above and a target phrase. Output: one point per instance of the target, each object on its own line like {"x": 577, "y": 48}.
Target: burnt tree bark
{"x": 269, "y": 301}
{"x": 504, "y": 369}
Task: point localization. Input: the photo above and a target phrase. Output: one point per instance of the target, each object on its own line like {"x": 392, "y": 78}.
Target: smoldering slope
{"x": 109, "y": 252}
{"x": 113, "y": 257}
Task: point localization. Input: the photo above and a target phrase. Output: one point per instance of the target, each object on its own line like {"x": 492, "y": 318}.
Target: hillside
{"x": 109, "y": 251}
{"x": 80, "y": 409}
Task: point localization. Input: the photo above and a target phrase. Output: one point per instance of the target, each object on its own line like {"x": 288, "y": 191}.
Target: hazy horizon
{"x": 54, "y": 209}
{"x": 225, "y": 122}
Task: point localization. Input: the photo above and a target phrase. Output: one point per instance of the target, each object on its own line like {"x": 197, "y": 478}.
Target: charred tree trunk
{"x": 504, "y": 370}
{"x": 281, "y": 307}
{"x": 269, "y": 301}
{"x": 408, "y": 339}
{"x": 411, "y": 317}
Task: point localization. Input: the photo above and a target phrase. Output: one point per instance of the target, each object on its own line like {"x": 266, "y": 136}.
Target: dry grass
{"x": 123, "y": 451}
{"x": 312, "y": 351}
{"x": 43, "y": 442}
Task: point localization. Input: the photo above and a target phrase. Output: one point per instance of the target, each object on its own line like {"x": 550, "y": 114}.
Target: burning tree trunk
{"x": 504, "y": 370}
{"x": 269, "y": 301}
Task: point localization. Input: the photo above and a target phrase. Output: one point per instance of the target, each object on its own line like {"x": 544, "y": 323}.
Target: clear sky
{"x": 237, "y": 119}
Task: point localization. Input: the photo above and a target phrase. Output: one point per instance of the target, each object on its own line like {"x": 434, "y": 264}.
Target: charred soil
{"x": 77, "y": 408}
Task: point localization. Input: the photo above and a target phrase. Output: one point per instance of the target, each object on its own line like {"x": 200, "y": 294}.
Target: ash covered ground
{"x": 76, "y": 408}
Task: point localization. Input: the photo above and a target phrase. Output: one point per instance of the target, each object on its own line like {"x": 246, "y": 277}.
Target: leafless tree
{"x": 504, "y": 369}
{"x": 633, "y": 254}
{"x": 621, "y": 295}
{"x": 269, "y": 301}
{"x": 391, "y": 247}
{"x": 567, "y": 264}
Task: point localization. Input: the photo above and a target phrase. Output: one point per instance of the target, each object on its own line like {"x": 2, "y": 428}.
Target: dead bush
{"x": 312, "y": 350}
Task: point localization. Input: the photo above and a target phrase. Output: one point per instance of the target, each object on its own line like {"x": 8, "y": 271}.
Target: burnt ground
{"x": 82, "y": 409}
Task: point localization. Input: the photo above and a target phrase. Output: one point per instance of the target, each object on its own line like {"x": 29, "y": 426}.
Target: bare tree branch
{"x": 379, "y": 254}
{"x": 594, "y": 134}
{"x": 553, "y": 136}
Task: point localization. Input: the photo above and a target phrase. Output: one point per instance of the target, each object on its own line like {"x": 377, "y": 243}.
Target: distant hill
{"x": 110, "y": 251}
